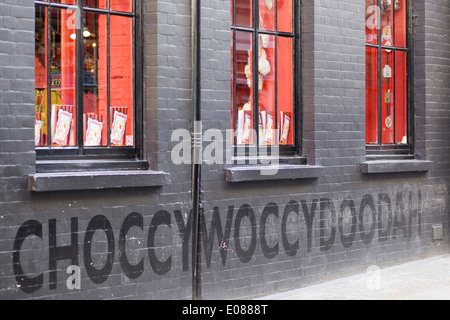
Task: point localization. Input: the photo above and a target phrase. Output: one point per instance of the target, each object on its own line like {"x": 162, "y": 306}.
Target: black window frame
{"x": 395, "y": 150}
{"x": 285, "y": 151}
{"x": 80, "y": 158}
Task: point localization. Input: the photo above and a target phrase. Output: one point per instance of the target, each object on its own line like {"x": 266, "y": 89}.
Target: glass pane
{"x": 122, "y": 5}
{"x": 232, "y": 15}
{"x": 266, "y": 74}
{"x": 233, "y": 107}
{"x": 400, "y": 98}
{"x": 95, "y": 94}
{"x": 63, "y": 1}
{"x": 244, "y": 88}
{"x": 372, "y": 11}
{"x": 63, "y": 78}
{"x": 371, "y": 96}
{"x": 285, "y": 87}
{"x": 285, "y": 15}
{"x": 267, "y": 15}
{"x": 121, "y": 72}
{"x": 387, "y": 23}
{"x": 387, "y": 103}
{"x": 400, "y": 23}
{"x": 100, "y": 4}
{"x": 41, "y": 83}
{"x": 244, "y": 13}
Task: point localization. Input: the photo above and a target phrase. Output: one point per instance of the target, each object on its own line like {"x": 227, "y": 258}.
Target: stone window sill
{"x": 96, "y": 180}
{"x": 270, "y": 173}
{"x": 395, "y": 166}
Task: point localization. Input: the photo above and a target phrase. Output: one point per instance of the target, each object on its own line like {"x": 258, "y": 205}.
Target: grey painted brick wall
{"x": 272, "y": 235}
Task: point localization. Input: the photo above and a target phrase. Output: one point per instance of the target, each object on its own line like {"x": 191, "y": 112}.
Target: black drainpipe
{"x": 196, "y": 132}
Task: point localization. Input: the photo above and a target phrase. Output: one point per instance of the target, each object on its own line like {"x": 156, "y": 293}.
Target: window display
{"x": 263, "y": 72}
{"x": 77, "y": 95}
{"x": 386, "y": 91}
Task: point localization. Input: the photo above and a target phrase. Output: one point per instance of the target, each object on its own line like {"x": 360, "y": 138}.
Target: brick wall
{"x": 257, "y": 237}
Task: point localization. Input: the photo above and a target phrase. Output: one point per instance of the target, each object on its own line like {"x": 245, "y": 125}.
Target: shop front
{"x": 218, "y": 150}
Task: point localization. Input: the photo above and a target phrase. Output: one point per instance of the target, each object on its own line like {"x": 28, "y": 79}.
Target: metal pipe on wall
{"x": 196, "y": 132}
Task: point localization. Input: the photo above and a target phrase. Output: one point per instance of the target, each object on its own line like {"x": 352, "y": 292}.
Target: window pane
{"x": 63, "y": 1}
{"x": 95, "y": 93}
{"x": 387, "y": 102}
{"x": 371, "y": 21}
{"x": 371, "y": 96}
{"x": 400, "y": 23}
{"x": 266, "y": 74}
{"x": 267, "y": 15}
{"x": 121, "y": 92}
{"x": 263, "y": 73}
{"x": 41, "y": 47}
{"x": 285, "y": 87}
{"x": 100, "y": 4}
{"x": 63, "y": 78}
{"x": 244, "y": 87}
{"x": 122, "y": 5}
{"x": 284, "y": 8}
{"x": 244, "y": 13}
{"x": 400, "y": 98}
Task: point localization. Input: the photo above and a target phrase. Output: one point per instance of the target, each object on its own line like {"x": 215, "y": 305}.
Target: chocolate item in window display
{"x": 264, "y": 65}
{"x": 248, "y": 74}
{"x": 387, "y": 97}
{"x": 388, "y": 43}
{"x": 247, "y": 129}
{"x": 62, "y": 129}
{"x": 37, "y": 132}
{"x": 285, "y": 125}
{"x": 387, "y": 72}
{"x": 268, "y": 139}
{"x": 264, "y": 69}
{"x": 386, "y": 4}
{"x": 387, "y": 33}
{"x": 388, "y": 122}
{"x": 372, "y": 21}
{"x": 93, "y": 133}
{"x": 397, "y": 4}
{"x": 118, "y": 128}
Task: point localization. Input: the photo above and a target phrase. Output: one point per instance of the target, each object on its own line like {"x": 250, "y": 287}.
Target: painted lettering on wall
{"x": 324, "y": 223}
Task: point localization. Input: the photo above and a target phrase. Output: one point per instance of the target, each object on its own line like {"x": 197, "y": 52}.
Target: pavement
{"x": 425, "y": 279}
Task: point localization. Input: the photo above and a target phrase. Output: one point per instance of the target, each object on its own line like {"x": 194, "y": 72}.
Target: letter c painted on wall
{"x": 99, "y": 222}
{"x": 131, "y": 271}
{"x": 159, "y": 267}
{"x": 27, "y": 285}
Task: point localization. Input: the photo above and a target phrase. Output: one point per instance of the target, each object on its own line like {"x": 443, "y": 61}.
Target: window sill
{"x": 395, "y": 166}
{"x": 96, "y": 180}
{"x": 58, "y": 166}
{"x": 270, "y": 173}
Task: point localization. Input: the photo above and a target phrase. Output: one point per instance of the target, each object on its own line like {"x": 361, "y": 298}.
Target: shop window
{"x": 86, "y": 85}
{"x": 264, "y": 74}
{"x": 388, "y": 77}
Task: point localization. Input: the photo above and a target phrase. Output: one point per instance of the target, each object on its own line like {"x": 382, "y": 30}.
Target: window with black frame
{"x": 264, "y": 73}
{"x": 388, "y": 76}
{"x": 86, "y": 97}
